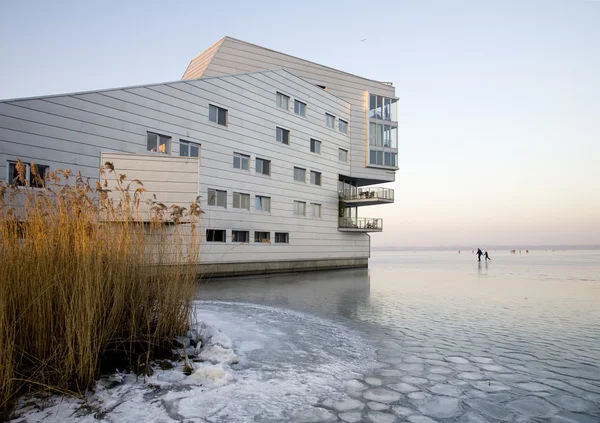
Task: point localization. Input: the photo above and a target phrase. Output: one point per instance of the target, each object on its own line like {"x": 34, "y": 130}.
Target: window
{"x": 315, "y": 146}
{"x": 189, "y": 149}
{"x": 217, "y": 198}
{"x": 240, "y": 236}
{"x": 217, "y": 115}
{"x": 383, "y": 108}
{"x": 282, "y": 238}
{"x": 263, "y": 166}
{"x": 30, "y": 178}
{"x": 158, "y": 143}
{"x": 343, "y": 126}
{"x": 263, "y": 204}
{"x": 316, "y": 209}
{"x": 315, "y": 177}
{"x": 376, "y": 157}
{"x": 299, "y": 108}
{"x": 329, "y": 120}
{"x": 262, "y": 236}
{"x": 241, "y": 201}
{"x": 283, "y": 135}
{"x": 299, "y": 174}
{"x": 240, "y": 161}
{"x": 300, "y": 208}
{"x": 216, "y": 235}
{"x": 343, "y": 155}
{"x": 283, "y": 101}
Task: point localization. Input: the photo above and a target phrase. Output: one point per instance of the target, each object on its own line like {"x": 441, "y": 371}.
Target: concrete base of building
{"x": 219, "y": 270}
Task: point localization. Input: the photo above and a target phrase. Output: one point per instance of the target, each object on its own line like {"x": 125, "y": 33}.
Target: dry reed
{"x": 88, "y": 282}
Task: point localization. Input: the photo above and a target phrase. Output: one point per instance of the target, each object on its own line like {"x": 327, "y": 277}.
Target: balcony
{"x": 361, "y": 224}
{"x": 367, "y": 196}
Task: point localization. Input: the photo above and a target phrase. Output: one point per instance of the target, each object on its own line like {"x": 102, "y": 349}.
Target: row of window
{"x": 263, "y": 166}
{"x": 238, "y": 236}
{"x": 32, "y": 180}
{"x": 283, "y": 102}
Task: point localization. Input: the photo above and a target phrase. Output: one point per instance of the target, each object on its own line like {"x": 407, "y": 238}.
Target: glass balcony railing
{"x": 374, "y": 194}
{"x": 365, "y": 224}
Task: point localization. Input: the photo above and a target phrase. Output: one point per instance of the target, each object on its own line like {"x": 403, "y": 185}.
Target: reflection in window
{"x": 158, "y": 143}
{"x": 394, "y": 136}
{"x": 372, "y": 105}
{"x": 188, "y": 149}
{"x": 386, "y": 109}
{"x": 379, "y": 109}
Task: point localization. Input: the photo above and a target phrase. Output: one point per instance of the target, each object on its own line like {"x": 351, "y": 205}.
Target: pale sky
{"x": 499, "y": 112}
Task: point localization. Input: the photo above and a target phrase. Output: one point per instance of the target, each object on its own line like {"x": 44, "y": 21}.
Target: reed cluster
{"x": 91, "y": 278}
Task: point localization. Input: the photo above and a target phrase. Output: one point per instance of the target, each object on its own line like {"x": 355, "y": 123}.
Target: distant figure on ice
{"x": 479, "y": 254}
{"x": 487, "y": 257}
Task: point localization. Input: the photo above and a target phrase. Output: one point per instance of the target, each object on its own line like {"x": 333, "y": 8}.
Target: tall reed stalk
{"x": 87, "y": 277}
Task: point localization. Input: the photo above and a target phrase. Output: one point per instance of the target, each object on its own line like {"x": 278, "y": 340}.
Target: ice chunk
{"x": 354, "y": 385}
{"x": 437, "y": 378}
{"x": 380, "y": 417}
{"x": 457, "y": 360}
{"x": 311, "y": 414}
{"x": 414, "y": 380}
{"x": 440, "y": 370}
{"x": 391, "y": 372}
{"x": 534, "y": 407}
{"x": 217, "y": 354}
{"x": 350, "y": 417}
{"x": 471, "y": 376}
{"x": 209, "y": 375}
{"x": 470, "y": 417}
{"x": 403, "y": 387}
{"x": 465, "y": 368}
{"x": 492, "y": 368}
{"x": 381, "y": 395}
{"x": 443, "y": 389}
{"x": 377, "y": 406}
{"x": 402, "y": 411}
{"x": 410, "y": 367}
{"x": 420, "y": 419}
{"x": 571, "y": 403}
{"x": 482, "y": 360}
{"x": 490, "y": 386}
{"x": 347, "y": 404}
{"x": 533, "y": 386}
{"x": 418, "y": 395}
{"x": 440, "y": 407}
{"x": 373, "y": 381}
{"x": 491, "y": 409}
{"x": 413, "y": 359}
{"x": 213, "y": 336}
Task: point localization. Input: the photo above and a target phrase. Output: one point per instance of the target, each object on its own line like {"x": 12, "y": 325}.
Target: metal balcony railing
{"x": 366, "y": 224}
{"x": 376, "y": 193}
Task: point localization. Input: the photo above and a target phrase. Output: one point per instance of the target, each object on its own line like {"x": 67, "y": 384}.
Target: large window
{"x": 29, "y": 177}
{"x": 216, "y": 235}
{"x": 158, "y": 143}
{"x": 263, "y": 166}
{"x": 189, "y": 149}
{"x": 217, "y": 198}
{"x": 282, "y": 135}
{"x": 299, "y": 174}
{"x": 316, "y": 209}
{"x": 300, "y": 208}
{"x": 343, "y": 155}
{"x": 383, "y": 131}
{"x": 282, "y": 238}
{"x": 241, "y": 161}
{"x": 260, "y": 236}
{"x": 315, "y": 146}
{"x": 263, "y": 204}
{"x": 241, "y": 201}
{"x": 299, "y": 108}
{"x": 283, "y": 101}
{"x": 329, "y": 120}
{"x": 240, "y": 236}
{"x": 315, "y": 177}
{"x": 343, "y": 126}
{"x": 217, "y": 114}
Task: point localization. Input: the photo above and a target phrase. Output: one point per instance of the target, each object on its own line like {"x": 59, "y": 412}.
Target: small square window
{"x": 241, "y": 161}
{"x": 30, "y": 179}
{"x": 315, "y": 177}
{"x": 330, "y": 120}
{"x": 217, "y": 114}
{"x": 283, "y": 136}
{"x": 158, "y": 143}
{"x": 263, "y": 166}
{"x": 343, "y": 126}
{"x": 241, "y": 201}
{"x": 343, "y": 155}
{"x": 283, "y": 101}
{"x": 299, "y": 108}
{"x": 300, "y": 208}
{"x": 316, "y": 209}
{"x": 260, "y": 236}
{"x": 299, "y": 174}
{"x": 282, "y": 238}
{"x": 263, "y": 204}
{"x": 217, "y": 198}
{"x": 216, "y": 235}
{"x": 315, "y": 146}
{"x": 189, "y": 149}
{"x": 240, "y": 236}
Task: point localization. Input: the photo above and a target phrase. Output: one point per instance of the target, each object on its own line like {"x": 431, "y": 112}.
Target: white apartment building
{"x": 283, "y": 153}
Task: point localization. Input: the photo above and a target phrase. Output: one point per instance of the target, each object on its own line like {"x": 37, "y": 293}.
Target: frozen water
{"x": 380, "y": 417}
{"x": 402, "y": 411}
{"x": 351, "y": 417}
{"x": 471, "y": 376}
{"x": 403, "y": 387}
{"x": 377, "y": 406}
{"x": 373, "y": 381}
{"x": 440, "y": 407}
{"x": 441, "y": 370}
{"x": 532, "y": 386}
{"x": 414, "y": 380}
{"x": 457, "y": 360}
{"x": 535, "y": 407}
{"x": 311, "y": 414}
{"x": 354, "y": 385}
{"x": 571, "y": 403}
{"x": 381, "y": 395}
{"x": 348, "y": 404}
{"x": 470, "y": 417}
{"x": 448, "y": 390}
{"x": 420, "y": 419}
{"x": 491, "y": 409}
{"x": 489, "y": 386}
